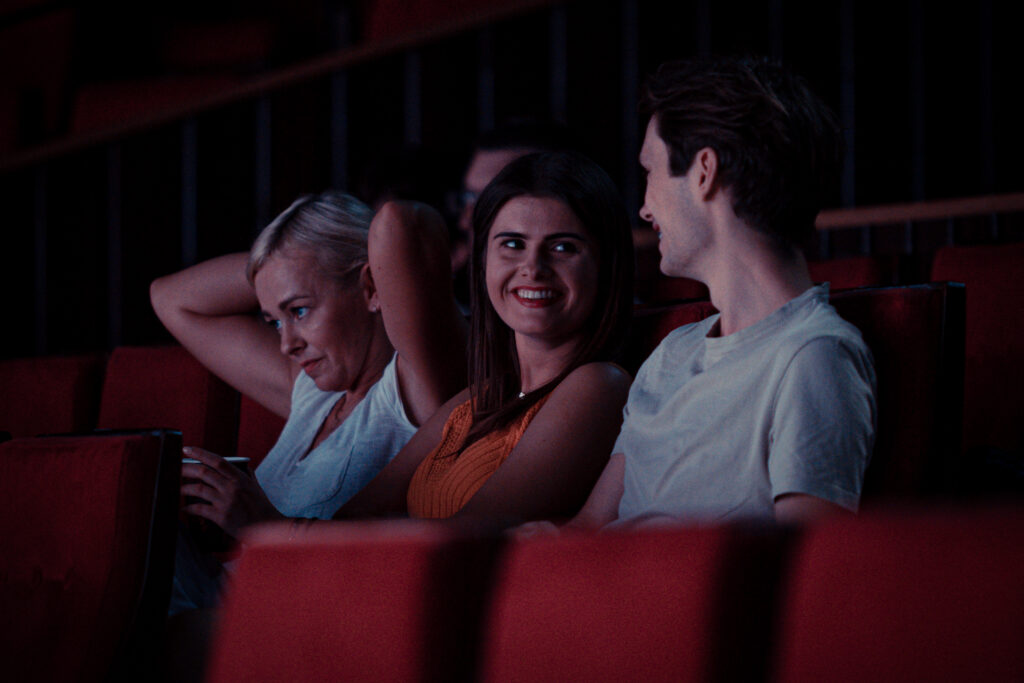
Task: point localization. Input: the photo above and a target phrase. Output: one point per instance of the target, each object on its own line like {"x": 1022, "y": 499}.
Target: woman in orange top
{"x": 551, "y": 297}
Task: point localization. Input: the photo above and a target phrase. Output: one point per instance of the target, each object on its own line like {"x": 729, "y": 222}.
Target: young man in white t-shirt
{"x": 767, "y": 409}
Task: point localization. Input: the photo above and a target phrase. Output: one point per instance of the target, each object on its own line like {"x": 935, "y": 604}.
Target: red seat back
{"x": 149, "y": 387}
{"x": 994, "y": 370}
{"x": 915, "y": 334}
{"x": 88, "y": 529}
{"x": 391, "y": 601}
{"x": 667, "y": 605}
{"x": 49, "y": 395}
{"x": 258, "y": 430}
{"x": 855, "y": 271}
{"x": 915, "y": 597}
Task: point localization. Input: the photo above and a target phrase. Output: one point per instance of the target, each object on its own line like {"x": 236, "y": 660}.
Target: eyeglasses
{"x": 458, "y": 201}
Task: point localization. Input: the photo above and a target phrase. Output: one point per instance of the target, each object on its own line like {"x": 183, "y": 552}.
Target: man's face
{"x": 483, "y": 167}
{"x": 671, "y": 207}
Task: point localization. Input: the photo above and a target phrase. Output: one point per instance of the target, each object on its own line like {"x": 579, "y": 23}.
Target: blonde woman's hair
{"x": 332, "y": 227}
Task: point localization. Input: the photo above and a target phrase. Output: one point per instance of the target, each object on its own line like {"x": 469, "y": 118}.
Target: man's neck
{"x": 751, "y": 277}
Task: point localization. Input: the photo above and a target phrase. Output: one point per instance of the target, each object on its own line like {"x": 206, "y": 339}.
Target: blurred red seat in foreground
{"x": 657, "y": 605}
{"x": 88, "y": 529}
{"x": 920, "y": 596}
{"x": 363, "y": 601}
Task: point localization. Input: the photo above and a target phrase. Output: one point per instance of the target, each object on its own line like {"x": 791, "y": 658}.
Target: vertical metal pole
{"x": 917, "y": 101}
{"x": 115, "y": 260}
{"x": 189, "y": 192}
{"x": 485, "y": 91}
{"x": 558, "y": 31}
{"x": 776, "y": 28}
{"x": 339, "y": 130}
{"x": 39, "y": 219}
{"x": 703, "y": 26}
{"x": 262, "y": 170}
{"x": 986, "y": 86}
{"x": 630, "y": 118}
{"x": 848, "y": 102}
{"x": 339, "y": 102}
{"x": 413, "y": 98}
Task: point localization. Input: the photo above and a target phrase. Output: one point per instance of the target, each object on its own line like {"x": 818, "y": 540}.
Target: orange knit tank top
{"x": 444, "y": 482}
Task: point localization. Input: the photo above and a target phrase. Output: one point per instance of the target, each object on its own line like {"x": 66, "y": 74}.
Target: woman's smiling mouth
{"x": 534, "y": 297}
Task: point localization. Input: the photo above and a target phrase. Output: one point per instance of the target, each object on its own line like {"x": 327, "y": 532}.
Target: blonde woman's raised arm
{"x": 212, "y": 310}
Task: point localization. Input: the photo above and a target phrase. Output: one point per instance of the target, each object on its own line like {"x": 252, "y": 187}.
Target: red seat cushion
{"x": 373, "y": 601}
{"x": 149, "y": 387}
{"x": 907, "y": 597}
{"x": 994, "y": 370}
{"x": 77, "y": 519}
{"x": 50, "y": 394}
{"x": 667, "y": 605}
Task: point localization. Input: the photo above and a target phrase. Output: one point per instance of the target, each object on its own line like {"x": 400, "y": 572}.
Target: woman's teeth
{"x": 535, "y": 294}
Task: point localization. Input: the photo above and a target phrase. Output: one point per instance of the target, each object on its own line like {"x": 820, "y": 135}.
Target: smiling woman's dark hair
{"x": 591, "y": 195}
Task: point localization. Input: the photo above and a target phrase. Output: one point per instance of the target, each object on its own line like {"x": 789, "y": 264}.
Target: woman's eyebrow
{"x": 564, "y": 235}
{"x": 507, "y": 234}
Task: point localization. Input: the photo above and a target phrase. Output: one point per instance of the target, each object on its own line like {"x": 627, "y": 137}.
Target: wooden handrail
{"x": 281, "y": 78}
{"x": 889, "y": 214}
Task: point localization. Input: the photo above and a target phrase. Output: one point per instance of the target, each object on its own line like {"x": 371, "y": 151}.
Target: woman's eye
{"x": 566, "y": 247}
{"x": 276, "y": 324}
{"x": 300, "y": 312}
{"x": 512, "y": 243}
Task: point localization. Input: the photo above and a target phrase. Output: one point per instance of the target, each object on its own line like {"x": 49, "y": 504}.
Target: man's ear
{"x": 369, "y": 289}
{"x": 705, "y": 163}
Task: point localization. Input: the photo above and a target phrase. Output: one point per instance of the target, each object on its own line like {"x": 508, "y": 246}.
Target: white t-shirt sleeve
{"x": 822, "y": 430}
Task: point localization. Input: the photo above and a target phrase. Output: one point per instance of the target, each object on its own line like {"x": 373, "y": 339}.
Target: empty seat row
{"x": 135, "y": 388}
{"x": 910, "y": 595}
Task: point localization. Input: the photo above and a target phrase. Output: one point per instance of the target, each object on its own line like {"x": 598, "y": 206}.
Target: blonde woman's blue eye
{"x": 276, "y": 324}
{"x": 300, "y": 311}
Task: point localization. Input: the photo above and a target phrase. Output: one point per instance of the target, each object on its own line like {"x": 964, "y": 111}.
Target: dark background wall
{"x": 924, "y": 91}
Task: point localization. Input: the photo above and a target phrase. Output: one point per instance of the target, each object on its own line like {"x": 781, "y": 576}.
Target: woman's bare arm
{"x": 210, "y": 308}
{"x": 562, "y": 453}
{"x": 411, "y": 270}
{"x": 386, "y": 495}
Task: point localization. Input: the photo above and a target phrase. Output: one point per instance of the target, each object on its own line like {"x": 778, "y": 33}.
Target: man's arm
{"x": 601, "y": 508}
{"x": 801, "y": 508}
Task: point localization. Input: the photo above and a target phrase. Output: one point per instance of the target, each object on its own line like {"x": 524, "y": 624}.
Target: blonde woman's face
{"x": 323, "y": 327}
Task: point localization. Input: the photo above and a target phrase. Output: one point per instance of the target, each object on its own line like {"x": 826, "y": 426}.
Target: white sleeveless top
{"x": 321, "y": 482}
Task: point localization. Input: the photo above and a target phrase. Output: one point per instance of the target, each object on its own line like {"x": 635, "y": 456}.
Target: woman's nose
{"x": 534, "y": 262}
{"x": 290, "y": 340}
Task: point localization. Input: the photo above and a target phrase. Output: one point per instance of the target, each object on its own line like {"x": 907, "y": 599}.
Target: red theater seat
{"x": 915, "y": 334}
{"x": 678, "y": 288}
{"x": 50, "y": 394}
{"x": 371, "y": 601}
{"x": 258, "y": 429}
{"x": 855, "y": 271}
{"x": 88, "y": 528}
{"x": 676, "y": 605}
{"x": 166, "y": 387}
{"x": 913, "y": 597}
{"x": 994, "y": 372}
